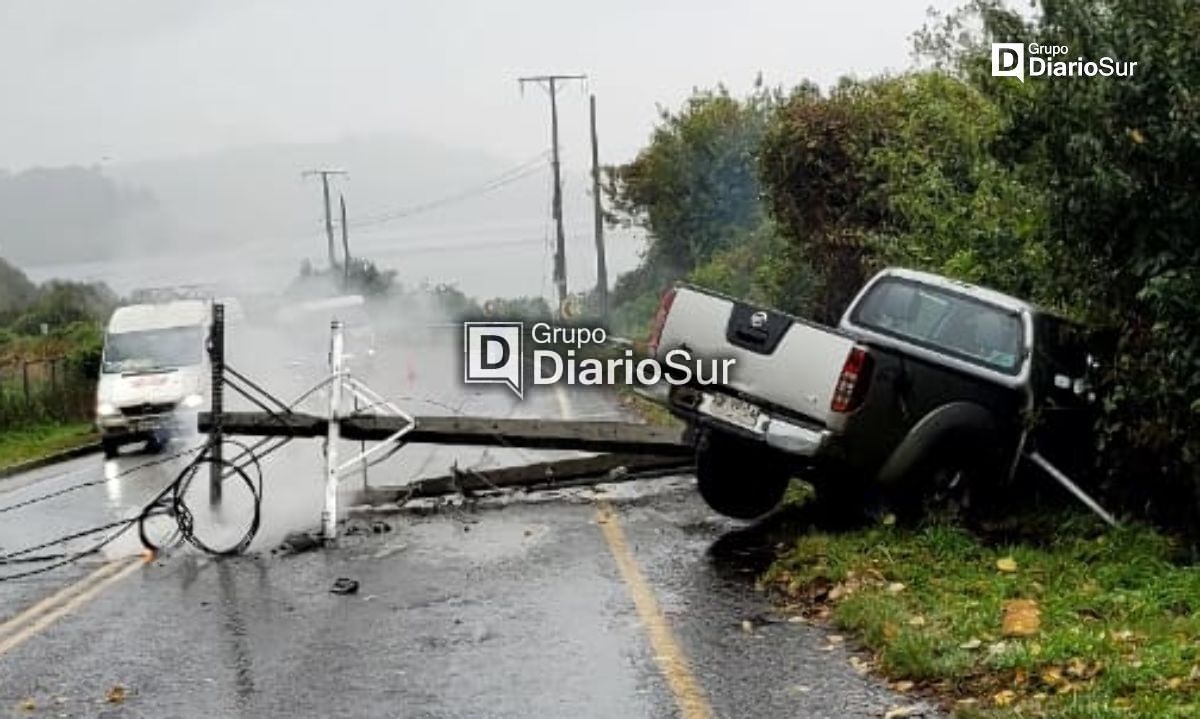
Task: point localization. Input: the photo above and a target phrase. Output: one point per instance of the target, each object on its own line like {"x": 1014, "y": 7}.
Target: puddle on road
{"x": 747, "y": 552}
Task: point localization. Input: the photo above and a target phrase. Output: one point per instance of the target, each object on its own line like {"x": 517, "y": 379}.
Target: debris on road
{"x": 344, "y": 586}
{"x": 298, "y": 543}
{"x": 389, "y": 550}
{"x": 357, "y": 529}
{"x": 116, "y": 694}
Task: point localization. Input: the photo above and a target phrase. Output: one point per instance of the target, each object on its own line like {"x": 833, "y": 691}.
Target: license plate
{"x": 732, "y": 410}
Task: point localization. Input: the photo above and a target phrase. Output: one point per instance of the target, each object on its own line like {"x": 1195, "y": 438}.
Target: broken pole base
{"x": 572, "y": 472}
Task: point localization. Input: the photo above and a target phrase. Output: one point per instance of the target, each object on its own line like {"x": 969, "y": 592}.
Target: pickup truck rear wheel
{"x": 110, "y": 447}
{"x": 737, "y": 478}
{"x": 953, "y": 479}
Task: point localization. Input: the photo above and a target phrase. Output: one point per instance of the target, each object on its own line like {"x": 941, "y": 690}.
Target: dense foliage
{"x": 1079, "y": 193}
{"x": 50, "y": 345}
{"x": 694, "y": 188}
{"x": 1117, "y": 162}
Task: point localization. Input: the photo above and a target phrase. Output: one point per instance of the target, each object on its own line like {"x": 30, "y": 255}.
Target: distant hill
{"x": 251, "y": 194}
{"x": 244, "y": 216}
{"x": 73, "y": 213}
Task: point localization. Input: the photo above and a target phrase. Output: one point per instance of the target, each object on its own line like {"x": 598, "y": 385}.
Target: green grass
{"x": 21, "y": 445}
{"x": 1119, "y": 632}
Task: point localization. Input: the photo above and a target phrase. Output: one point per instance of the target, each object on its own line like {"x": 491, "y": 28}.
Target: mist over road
{"x": 547, "y": 606}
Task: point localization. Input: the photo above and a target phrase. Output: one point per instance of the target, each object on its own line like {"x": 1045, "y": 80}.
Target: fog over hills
{"x": 433, "y": 212}
{"x": 256, "y": 193}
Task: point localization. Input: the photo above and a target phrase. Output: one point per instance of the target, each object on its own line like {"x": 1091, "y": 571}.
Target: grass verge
{"x": 22, "y": 445}
{"x": 1060, "y": 619}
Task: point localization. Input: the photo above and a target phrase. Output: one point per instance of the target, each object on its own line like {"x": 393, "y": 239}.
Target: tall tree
{"x": 695, "y": 187}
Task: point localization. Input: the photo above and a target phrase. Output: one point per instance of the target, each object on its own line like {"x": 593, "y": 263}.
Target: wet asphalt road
{"x": 521, "y": 608}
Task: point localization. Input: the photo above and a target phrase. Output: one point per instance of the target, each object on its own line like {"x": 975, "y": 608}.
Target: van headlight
{"x": 105, "y": 409}
{"x": 193, "y": 401}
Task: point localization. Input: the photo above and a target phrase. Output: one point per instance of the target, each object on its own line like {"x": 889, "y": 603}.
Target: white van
{"x": 154, "y": 373}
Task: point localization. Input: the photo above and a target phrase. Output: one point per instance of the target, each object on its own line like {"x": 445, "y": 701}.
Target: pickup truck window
{"x": 944, "y": 321}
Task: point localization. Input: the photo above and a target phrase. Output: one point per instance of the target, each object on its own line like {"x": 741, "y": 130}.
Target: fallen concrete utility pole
{"x": 557, "y": 473}
{"x": 638, "y": 448}
{"x": 622, "y": 437}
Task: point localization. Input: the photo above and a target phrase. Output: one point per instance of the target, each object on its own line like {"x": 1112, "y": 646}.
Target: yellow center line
{"x": 56, "y": 598}
{"x": 49, "y": 610}
{"x": 671, "y": 660}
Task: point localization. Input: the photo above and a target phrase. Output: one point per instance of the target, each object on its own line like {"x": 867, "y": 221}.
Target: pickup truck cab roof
{"x": 1015, "y": 376}
{"x": 992, "y": 297}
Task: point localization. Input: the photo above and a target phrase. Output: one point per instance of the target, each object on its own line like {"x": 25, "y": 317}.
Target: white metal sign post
{"x": 329, "y": 513}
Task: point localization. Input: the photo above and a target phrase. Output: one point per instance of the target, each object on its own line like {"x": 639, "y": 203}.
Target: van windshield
{"x": 150, "y": 350}
{"x": 941, "y": 320}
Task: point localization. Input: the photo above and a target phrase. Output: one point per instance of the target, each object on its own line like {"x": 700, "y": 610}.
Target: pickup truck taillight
{"x": 660, "y": 319}
{"x": 852, "y": 382}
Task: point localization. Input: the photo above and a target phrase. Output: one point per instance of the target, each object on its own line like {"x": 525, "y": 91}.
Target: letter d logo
{"x": 1008, "y": 60}
{"x": 493, "y": 354}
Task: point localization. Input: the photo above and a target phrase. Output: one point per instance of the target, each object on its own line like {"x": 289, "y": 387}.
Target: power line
{"x": 514, "y": 174}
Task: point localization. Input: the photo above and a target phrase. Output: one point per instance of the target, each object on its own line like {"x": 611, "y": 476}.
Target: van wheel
{"x": 111, "y": 448}
{"x": 734, "y": 479}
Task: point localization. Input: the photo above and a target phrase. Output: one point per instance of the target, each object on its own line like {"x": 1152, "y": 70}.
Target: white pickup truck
{"x": 924, "y": 387}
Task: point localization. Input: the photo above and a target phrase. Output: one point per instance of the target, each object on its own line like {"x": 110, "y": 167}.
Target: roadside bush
{"x": 59, "y": 304}
{"x": 48, "y": 391}
{"x": 1115, "y": 160}
{"x": 695, "y": 190}
{"x": 1078, "y": 193}
{"x": 898, "y": 171}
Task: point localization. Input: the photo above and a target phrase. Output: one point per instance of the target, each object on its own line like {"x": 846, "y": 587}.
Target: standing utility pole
{"x": 345, "y": 242}
{"x": 216, "y": 356}
{"x": 598, "y": 211}
{"x": 328, "y": 214}
{"x": 560, "y": 252}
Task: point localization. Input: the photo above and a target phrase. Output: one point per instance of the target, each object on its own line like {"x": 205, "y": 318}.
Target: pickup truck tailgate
{"x": 779, "y": 358}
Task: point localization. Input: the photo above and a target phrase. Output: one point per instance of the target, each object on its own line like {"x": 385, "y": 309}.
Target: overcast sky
{"x": 88, "y": 81}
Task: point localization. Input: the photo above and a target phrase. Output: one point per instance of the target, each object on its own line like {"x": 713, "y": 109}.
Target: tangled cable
{"x": 170, "y": 502}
